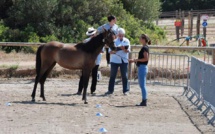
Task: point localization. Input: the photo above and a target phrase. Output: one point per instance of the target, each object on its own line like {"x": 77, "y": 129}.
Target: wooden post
{"x": 130, "y": 65}
{"x": 187, "y": 42}
{"x": 198, "y": 28}
{"x": 182, "y": 23}
{"x": 191, "y": 25}
{"x": 204, "y": 31}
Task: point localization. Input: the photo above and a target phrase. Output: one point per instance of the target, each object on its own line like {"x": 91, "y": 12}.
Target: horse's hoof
{"x": 78, "y": 93}
{"x": 33, "y": 100}
{"x": 85, "y": 102}
{"x": 44, "y": 99}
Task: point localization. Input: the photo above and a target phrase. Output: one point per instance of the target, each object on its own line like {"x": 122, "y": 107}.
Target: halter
{"x": 105, "y": 40}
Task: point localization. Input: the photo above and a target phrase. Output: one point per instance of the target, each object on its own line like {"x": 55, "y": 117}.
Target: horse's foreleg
{"x": 86, "y": 76}
{"x": 35, "y": 87}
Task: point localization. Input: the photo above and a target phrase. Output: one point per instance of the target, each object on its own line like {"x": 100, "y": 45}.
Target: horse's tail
{"x": 38, "y": 59}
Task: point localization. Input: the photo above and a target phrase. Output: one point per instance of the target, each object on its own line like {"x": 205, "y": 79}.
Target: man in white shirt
{"x": 119, "y": 58}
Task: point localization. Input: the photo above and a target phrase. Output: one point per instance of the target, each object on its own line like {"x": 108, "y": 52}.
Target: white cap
{"x": 121, "y": 31}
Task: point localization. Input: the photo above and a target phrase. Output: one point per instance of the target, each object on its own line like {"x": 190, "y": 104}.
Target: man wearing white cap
{"x": 119, "y": 58}
{"x": 91, "y": 33}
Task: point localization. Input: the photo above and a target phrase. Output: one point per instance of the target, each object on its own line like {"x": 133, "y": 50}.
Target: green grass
{"x": 13, "y": 67}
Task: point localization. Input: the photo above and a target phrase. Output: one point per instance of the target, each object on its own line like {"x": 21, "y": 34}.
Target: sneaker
{"x": 108, "y": 93}
{"x": 126, "y": 93}
{"x": 93, "y": 93}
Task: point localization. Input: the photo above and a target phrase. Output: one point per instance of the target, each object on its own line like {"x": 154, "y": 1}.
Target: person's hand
{"x": 112, "y": 52}
{"x": 122, "y": 47}
{"x": 131, "y": 60}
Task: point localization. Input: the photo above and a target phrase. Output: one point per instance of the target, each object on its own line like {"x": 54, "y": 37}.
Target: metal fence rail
{"x": 202, "y": 86}
{"x": 166, "y": 69}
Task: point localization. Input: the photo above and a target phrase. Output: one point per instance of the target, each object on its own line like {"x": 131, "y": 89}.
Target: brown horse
{"x": 81, "y": 56}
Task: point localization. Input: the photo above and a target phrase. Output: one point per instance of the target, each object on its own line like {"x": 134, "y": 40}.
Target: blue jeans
{"x": 124, "y": 74}
{"x": 142, "y": 73}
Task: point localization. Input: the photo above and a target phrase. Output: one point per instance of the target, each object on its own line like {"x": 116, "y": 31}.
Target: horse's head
{"x": 109, "y": 37}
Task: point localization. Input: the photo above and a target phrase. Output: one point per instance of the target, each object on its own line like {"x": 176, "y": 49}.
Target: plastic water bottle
{"x": 99, "y": 76}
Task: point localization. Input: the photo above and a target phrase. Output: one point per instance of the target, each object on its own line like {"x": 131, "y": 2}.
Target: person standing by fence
{"x": 142, "y": 63}
{"x": 110, "y": 25}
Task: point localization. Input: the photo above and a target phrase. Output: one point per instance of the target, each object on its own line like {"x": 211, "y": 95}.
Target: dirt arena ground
{"x": 64, "y": 113}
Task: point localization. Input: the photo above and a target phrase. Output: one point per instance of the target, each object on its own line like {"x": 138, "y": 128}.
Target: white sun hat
{"x": 90, "y": 31}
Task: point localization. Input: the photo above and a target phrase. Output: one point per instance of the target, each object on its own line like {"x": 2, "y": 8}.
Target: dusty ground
{"x": 65, "y": 113}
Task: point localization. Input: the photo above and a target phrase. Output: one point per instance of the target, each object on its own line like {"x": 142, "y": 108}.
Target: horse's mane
{"x": 92, "y": 45}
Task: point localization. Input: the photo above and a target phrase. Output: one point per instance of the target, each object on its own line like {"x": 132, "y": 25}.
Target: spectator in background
{"x": 142, "y": 63}
{"x": 91, "y": 33}
{"x": 110, "y": 25}
{"x": 119, "y": 58}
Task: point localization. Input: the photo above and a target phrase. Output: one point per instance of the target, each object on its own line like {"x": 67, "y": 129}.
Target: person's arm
{"x": 126, "y": 50}
{"x": 103, "y": 49}
{"x": 101, "y": 28}
{"x": 146, "y": 57}
{"x": 111, "y": 51}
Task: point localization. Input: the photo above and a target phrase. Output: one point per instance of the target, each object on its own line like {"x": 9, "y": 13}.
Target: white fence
{"x": 202, "y": 86}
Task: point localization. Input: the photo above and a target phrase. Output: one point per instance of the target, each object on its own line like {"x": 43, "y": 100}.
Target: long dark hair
{"x": 146, "y": 38}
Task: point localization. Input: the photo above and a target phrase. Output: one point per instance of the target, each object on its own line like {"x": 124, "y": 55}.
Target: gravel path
{"x": 65, "y": 113}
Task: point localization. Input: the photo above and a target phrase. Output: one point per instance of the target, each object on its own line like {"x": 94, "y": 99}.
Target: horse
{"x": 81, "y": 56}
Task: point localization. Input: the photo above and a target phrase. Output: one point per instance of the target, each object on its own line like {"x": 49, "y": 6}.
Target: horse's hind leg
{"x": 35, "y": 87}
{"x": 43, "y": 79}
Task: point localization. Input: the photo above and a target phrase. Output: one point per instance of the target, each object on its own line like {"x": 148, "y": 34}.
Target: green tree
{"x": 172, "y": 5}
{"x": 4, "y": 6}
{"x": 146, "y": 10}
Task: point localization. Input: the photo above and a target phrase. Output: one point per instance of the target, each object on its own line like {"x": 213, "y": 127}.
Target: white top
{"x": 120, "y": 55}
{"x": 99, "y": 57}
{"x": 107, "y": 27}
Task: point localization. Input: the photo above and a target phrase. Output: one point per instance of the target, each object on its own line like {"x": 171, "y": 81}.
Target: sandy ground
{"x": 65, "y": 113}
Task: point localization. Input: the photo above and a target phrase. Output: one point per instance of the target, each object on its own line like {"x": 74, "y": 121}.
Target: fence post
{"x": 130, "y": 65}
{"x": 204, "y": 32}
{"x": 189, "y": 23}
{"x": 182, "y": 23}
{"x": 198, "y": 29}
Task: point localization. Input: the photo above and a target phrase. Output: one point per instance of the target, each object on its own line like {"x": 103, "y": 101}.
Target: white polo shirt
{"x": 120, "y": 55}
{"x": 107, "y": 27}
